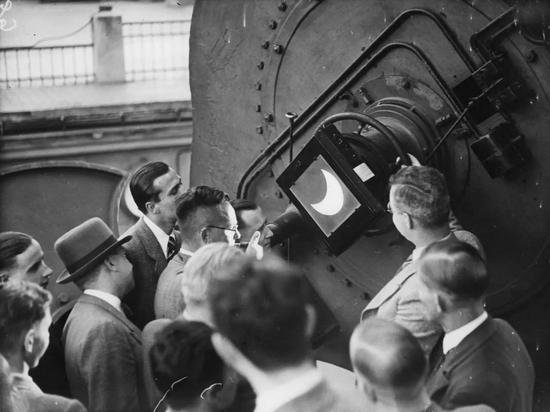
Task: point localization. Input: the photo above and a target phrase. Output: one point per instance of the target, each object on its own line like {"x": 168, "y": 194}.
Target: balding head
{"x": 388, "y": 361}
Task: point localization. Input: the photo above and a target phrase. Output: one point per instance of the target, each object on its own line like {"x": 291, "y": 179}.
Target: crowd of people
{"x": 174, "y": 315}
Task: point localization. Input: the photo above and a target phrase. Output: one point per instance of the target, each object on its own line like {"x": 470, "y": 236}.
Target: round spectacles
{"x": 236, "y": 233}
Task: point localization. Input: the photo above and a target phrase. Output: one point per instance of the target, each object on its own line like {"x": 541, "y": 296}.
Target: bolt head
{"x": 282, "y": 6}
{"x": 268, "y": 117}
{"x": 265, "y": 44}
{"x": 272, "y": 24}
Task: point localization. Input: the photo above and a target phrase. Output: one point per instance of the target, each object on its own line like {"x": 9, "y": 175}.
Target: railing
{"x": 46, "y": 66}
{"x": 152, "y": 50}
{"x": 156, "y": 50}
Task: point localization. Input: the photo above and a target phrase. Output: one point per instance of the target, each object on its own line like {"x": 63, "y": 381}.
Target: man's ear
{"x": 311, "y": 320}
{"x": 205, "y": 237}
{"x": 28, "y": 341}
{"x": 410, "y": 222}
{"x": 441, "y": 302}
{"x": 151, "y": 207}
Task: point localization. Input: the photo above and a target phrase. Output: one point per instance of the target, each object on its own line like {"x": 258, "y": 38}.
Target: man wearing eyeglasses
{"x": 419, "y": 204}
{"x": 204, "y": 215}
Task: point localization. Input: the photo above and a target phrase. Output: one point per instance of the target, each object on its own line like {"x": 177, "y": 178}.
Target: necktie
{"x": 172, "y": 247}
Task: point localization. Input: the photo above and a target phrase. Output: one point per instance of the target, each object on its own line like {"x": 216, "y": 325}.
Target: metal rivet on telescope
{"x": 260, "y": 65}
{"x": 258, "y": 86}
{"x": 272, "y": 24}
{"x": 265, "y": 45}
{"x": 282, "y": 6}
{"x": 277, "y": 48}
{"x": 259, "y": 129}
{"x": 258, "y": 108}
{"x": 268, "y": 117}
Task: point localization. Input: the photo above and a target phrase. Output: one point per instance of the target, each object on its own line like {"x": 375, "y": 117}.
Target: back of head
{"x": 141, "y": 183}
{"x": 243, "y": 204}
{"x": 5, "y": 386}
{"x": 389, "y": 358}
{"x": 455, "y": 268}
{"x": 260, "y": 306}
{"x": 195, "y": 198}
{"x": 421, "y": 192}
{"x": 184, "y": 363}
{"x": 202, "y": 267}
{"x": 22, "y": 304}
{"x": 11, "y": 245}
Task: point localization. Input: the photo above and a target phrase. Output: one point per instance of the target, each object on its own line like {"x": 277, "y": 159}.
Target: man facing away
{"x": 188, "y": 371}
{"x": 391, "y": 369}
{"x": 195, "y": 283}
{"x": 154, "y": 187}
{"x": 24, "y": 321}
{"x": 102, "y": 347}
{"x": 204, "y": 215}
{"x": 481, "y": 360}
{"x": 264, "y": 324}
{"x": 419, "y": 204}
{"x": 21, "y": 257}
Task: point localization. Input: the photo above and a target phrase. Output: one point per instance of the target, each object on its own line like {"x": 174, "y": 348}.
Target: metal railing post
{"x": 108, "y": 46}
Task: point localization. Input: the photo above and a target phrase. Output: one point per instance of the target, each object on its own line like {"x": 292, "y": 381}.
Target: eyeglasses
{"x": 223, "y": 228}
{"x": 236, "y": 233}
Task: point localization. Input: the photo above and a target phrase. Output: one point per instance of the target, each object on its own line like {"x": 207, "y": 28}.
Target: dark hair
{"x": 421, "y": 192}
{"x": 184, "y": 350}
{"x": 260, "y": 307}
{"x": 388, "y": 355}
{"x": 456, "y": 268}
{"x": 141, "y": 184}
{"x": 11, "y": 245}
{"x": 21, "y": 305}
{"x": 196, "y": 197}
{"x": 240, "y": 205}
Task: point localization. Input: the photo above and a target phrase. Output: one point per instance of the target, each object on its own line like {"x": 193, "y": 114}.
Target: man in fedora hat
{"x": 102, "y": 347}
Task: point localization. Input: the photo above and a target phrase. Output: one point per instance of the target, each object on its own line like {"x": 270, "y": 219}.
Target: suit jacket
{"x": 321, "y": 398}
{"x": 168, "y": 301}
{"x": 103, "y": 357}
{"x": 490, "y": 366}
{"x": 152, "y": 393}
{"x": 148, "y": 260}
{"x": 28, "y": 397}
{"x": 398, "y": 300}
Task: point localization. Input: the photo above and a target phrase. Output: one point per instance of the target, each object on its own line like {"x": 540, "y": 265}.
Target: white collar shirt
{"x": 273, "y": 398}
{"x": 159, "y": 234}
{"x": 186, "y": 252}
{"x": 112, "y": 300}
{"x": 453, "y": 338}
{"x": 418, "y": 251}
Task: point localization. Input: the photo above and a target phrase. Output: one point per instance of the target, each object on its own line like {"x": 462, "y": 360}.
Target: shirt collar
{"x": 186, "y": 252}
{"x": 418, "y": 251}
{"x": 453, "y": 338}
{"x": 273, "y": 398}
{"x": 111, "y": 299}
{"x": 159, "y": 234}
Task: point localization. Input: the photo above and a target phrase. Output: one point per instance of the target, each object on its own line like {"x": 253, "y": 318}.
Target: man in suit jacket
{"x": 24, "y": 321}
{"x": 259, "y": 308}
{"x": 482, "y": 360}
{"x": 204, "y": 215}
{"x": 102, "y": 347}
{"x": 419, "y": 204}
{"x": 154, "y": 188}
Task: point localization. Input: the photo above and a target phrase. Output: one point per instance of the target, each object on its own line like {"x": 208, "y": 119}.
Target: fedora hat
{"x": 84, "y": 247}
